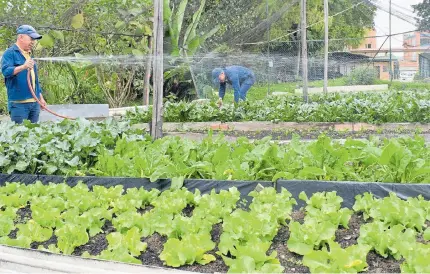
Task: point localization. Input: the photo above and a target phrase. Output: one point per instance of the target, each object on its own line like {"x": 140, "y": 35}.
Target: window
{"x": 385, "y": 68}
{"x": 425, "y": 41}
{"x": 368, "y": 46}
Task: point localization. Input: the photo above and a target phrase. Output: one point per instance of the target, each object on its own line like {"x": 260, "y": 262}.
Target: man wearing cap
{"x": 15, "y": 63}
{"x": 239, "y": 77}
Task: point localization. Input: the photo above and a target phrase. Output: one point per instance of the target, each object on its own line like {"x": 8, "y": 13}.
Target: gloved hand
{"x": 219, "y": 103}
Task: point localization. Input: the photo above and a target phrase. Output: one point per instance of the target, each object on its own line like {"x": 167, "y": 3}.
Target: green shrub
{"x": 361, "y": 76}
{"x": 418, "y": 77}
{"x": 3, "y": 100}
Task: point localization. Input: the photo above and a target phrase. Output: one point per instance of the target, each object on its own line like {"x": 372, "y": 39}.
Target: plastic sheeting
{"x": 347, "y": 190}
{"x": 205, "y": 186}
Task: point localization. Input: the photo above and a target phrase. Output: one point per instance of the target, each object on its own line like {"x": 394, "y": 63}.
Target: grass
{"x": 259, "y": 91}
{"x": 3, "y": 100}
{"x": 397, "y": 85}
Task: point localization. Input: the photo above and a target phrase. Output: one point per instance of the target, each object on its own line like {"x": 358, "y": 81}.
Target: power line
{"x": 352, "y": 38}
{"x": 308, "y": 26}
{"x": 385, "y": 34}
{"x": 403, "y": 8}
{"x": 397, "y": 14}
{"x": 383, "y": 31}
{"x": 9, "y": 24}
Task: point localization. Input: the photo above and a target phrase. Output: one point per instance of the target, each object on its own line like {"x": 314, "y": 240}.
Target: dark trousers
{"x": 24, "y": 111}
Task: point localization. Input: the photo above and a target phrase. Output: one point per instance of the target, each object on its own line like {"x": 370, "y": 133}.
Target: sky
{"x": 397, "y": 25}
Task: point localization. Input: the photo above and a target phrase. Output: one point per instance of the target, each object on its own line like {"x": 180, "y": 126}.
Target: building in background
{"x": 409, "y": 64}
{"x": 416, "y": 55}
{"x": 370, "y": 42}
{"x": 380, "y": 59}
{"x": 382, "y": 64}
{"x": 424, "y": 65}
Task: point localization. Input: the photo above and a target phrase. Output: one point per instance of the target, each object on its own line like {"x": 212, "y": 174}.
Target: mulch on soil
{"x": 291, "y": 261}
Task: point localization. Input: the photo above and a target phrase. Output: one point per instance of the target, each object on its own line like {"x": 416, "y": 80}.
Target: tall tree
{"x": 423, "y": 12}
{"x": 237, "y": 18}
{"x": 87, "y": 27}
{"x": 349, "y": 19}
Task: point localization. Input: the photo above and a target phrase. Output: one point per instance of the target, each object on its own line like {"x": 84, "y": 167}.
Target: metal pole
{"x": 325, "y": 46}
{"x": 157, "y": 110}
{"x": 304, "y": 52}
{"x": 268, "y": 48}
{"x": 391, "y": 65}
{"x": 148, "y": 70}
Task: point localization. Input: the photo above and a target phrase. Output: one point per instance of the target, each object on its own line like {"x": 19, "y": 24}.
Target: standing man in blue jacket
{"x": 15, "y": 63}
{"x": 240, "y": 78}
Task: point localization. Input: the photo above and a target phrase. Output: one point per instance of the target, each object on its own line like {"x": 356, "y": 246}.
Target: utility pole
{"x": 391, "y": 65}
{"x": 157, "y": 109}
{"x": 325, "y": 46}
{"x": 304, "y": 52}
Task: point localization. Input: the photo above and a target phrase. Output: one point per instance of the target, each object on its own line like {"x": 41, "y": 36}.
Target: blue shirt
{"x": 16, "y": 85}
{"x": 236, "y": 76}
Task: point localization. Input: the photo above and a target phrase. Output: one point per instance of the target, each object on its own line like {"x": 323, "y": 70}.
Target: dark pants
{"x": 242, "y": 92}
{"x": 244, "y": 87}
{"x": 24, "y": 111}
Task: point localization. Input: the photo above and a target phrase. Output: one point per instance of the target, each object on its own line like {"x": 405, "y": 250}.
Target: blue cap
{"x": 29, "y": 30}
{"x": 215, "y": 74}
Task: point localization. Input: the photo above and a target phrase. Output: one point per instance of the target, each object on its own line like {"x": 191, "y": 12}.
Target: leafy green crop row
{"x": 405, "y": 160}
{"x": 69, "y": 147}
{"x": 368, "y": 107}
{"x": 70, "y": 217}
{"x": 112, "y": 149}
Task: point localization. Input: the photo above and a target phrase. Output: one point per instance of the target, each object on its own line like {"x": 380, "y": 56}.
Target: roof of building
{"x": 425, "y": 55}
{"x": 348, "y": 55}
{"x": 385, "y": 58}
{"x": 343, "y": 56}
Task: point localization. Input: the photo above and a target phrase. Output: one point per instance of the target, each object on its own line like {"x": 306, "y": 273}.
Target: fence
{"x": 114, "y": 42}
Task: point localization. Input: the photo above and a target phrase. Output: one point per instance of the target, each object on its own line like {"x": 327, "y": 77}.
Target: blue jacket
{"x": 236, "y": 76}
{"x": 16, "y": 85}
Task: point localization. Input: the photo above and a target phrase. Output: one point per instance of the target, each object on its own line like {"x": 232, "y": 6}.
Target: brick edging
{"x": 266, "y": 126}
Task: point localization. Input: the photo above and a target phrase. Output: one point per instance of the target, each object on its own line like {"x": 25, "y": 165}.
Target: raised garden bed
{"x": 181, "y": 229}
{"x": 113, "y": 149}
{"x": 363, "y": 107}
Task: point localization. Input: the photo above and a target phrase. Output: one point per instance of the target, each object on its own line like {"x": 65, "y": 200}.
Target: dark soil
{"x": 420, "y": 238}
{"x": 288, "y": 135}
{"x": 291, "y": 261}
{"x": 347, "y": 237}
{"x": 96, "y": 244}
{"x": 379, "y": 264}
{"x": 155, "y": 247}
{"x": 188, "y": 211}
{"x": 108, "y": 227}
{"x": 23, "y": 215}
{"x": 283, "y": 135}
{"x": 298, "y": 216}
{"x": 52, "y": 240}
{"x": 216, "y": 234}
{"x": 144, "y": 210}
{"x": 12, "y": 234}
{"x": 216, "y": 266}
